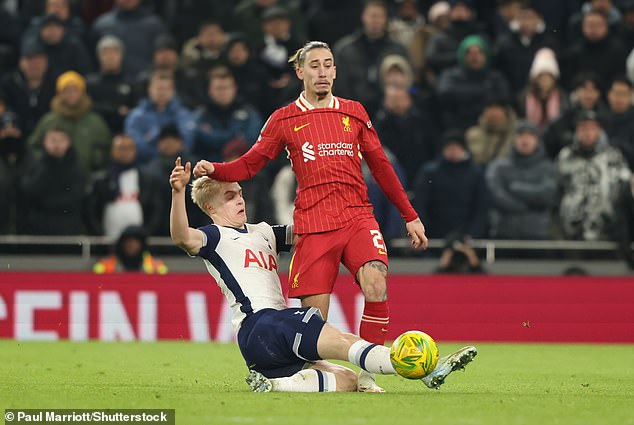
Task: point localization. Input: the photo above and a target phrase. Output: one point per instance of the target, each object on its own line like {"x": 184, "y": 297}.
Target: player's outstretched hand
{"x": 180, "y": 175}
{"x": 203, "y": 168}
{"x": 416, "y": 231}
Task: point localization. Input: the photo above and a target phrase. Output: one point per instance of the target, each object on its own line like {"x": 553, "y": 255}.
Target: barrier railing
{"x": 490, "y": 246}
{"x": 87, "y": 244}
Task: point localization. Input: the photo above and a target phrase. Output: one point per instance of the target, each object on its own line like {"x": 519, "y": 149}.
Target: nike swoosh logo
{"x": 296, "y": 129}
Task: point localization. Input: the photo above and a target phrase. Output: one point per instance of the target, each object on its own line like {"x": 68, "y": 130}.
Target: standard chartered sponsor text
{"x": 335, "y": 149}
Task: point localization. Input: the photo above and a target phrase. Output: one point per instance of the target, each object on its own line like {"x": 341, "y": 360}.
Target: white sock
{"x": 371, "y": 357}
{"x": 306, "y": 381}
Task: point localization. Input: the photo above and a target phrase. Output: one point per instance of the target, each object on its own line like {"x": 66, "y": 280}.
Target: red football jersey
{"x": 325, "y": 146}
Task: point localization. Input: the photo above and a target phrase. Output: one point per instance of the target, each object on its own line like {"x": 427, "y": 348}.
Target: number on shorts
{"x": 377, "y": 239}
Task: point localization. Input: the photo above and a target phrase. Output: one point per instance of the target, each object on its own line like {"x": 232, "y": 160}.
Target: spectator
{"x": 72, "y": 108}
{"x": 10, "y": 32}
{"x": 165, "y": 58}
{"x": 136, "y": 28}
{"x": 330, "y": 20}
{"x": 73, "y": 25}
{"x": 442, "y": 47}
{"x": 450, "y": 192}
{"x": 109, "y": 89}
{"x": 131, "y": 254}
{"x": 54, "y": 185}
{"x": 437, "y": 22}
{"x": 463, "y": 89}
{"x": 522, "y": 188}
{"x": 276, "y": 46}
{"x": 169, "y": 147}
{"x": 28, "y": 90}
{"x": 543, "y": 101}
{"x": 282, "y": 194}
{"x": 591, "y": 175}
{"x": 203, "y": 52}
{"x": 184, "y": 18}
{"x": 358, "y": 57}
{"x": 586, "y": 95}
{"x": 625, "y": 31}
{"x": 11, "y": 138}
{"x": 458, "y": 256}
{"x": 619, "y": 122}
{"x": 506, "y": 13}
{"x": 605, "y": 7}
{"x": 65, "y": 52}
{"x": 405, "y": 130}
{"x": 493, "y": 136}
{"x": 12, "y": 154}
{"x": 223, "y": 118}
{"x": 387, "y": 215}
{"x": 123, "y": 194}
{"x": 248, "y": 17}
{"x": 407, "y": 21}
{"x": 515, "y": 49}
{"x": 556, "y": 14}
{"x": 161, "y": 107}
{"x": 250, "y": 77}
{"x": 256, "y": 189}
{"x": 625, "y": 223}
{"x": 597, "y": 51}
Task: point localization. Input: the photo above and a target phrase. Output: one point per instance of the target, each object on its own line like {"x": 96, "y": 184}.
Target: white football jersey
{"x": 244, "y": 264}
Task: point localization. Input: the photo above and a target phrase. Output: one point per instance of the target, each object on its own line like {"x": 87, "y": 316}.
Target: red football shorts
{"x": 315, "y": 263}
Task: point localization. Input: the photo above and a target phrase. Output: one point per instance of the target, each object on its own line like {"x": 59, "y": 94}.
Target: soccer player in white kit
{"x": 283, "y": 347}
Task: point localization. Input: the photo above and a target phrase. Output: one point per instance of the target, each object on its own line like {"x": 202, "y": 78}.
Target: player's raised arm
{"x": 188, "y": 239}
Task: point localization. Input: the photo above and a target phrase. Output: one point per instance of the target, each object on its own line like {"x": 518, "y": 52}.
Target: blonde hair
{"x": 204, "y": 189}
{"x": 297, "y": 60}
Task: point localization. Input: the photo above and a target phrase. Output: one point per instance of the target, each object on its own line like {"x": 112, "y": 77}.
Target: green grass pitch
{"x": 505, "y": 384}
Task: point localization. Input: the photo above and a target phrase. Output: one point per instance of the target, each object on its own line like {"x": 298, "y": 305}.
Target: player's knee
{"x": 347, "y": 380}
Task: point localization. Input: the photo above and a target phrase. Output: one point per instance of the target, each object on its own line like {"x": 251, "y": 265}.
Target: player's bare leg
{"x": 321, "y": 301}
{"x": 372, "y": 278}
{"x": 371, "y": 358}
{"x": 321, "y": 376}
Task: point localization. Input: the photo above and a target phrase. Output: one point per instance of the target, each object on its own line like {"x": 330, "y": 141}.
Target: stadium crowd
{"x": 507, "y": 119}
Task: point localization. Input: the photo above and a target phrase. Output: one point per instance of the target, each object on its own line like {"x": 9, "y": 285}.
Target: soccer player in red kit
{"x": 325, "y": 138}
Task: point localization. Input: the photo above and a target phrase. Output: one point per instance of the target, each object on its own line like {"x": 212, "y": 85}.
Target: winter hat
{"x": 472, "y": 40}
{"x": 32, "y": 48}
{"x": 453, "y": 136}
{"x": 70, "y": 78}
{"x": 437, "y": 10}
{"x": 51, "y": 19}
{"x": 544, "y": 61}
{"x": 165, "y": 42}
{"x": 275, "y": 12}
{"x": 525, "y": 125}
{"x": 109, "y": 42}
{"x": 587, "y": 115}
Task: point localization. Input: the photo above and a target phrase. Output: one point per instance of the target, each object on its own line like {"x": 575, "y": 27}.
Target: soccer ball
{"x": 414, "y": 354}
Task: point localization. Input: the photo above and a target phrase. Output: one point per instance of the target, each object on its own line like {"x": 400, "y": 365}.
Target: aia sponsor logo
{"x": 259, "y": 259}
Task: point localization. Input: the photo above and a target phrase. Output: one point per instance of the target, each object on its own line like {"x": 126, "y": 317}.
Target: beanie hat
{"x": 525, "y": 125}
{"x": 69, "y": 78}
{"x": 453, "y": 136}
{"x": 472, "y": 40}
{"x": 437, "y": 10}
{"x": 544, "y": 61}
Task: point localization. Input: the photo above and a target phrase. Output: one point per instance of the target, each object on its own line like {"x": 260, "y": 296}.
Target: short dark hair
{"x": 621, "y": 79}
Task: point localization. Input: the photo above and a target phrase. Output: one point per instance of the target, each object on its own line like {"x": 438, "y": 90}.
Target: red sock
{"x": 376, "y": 316}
